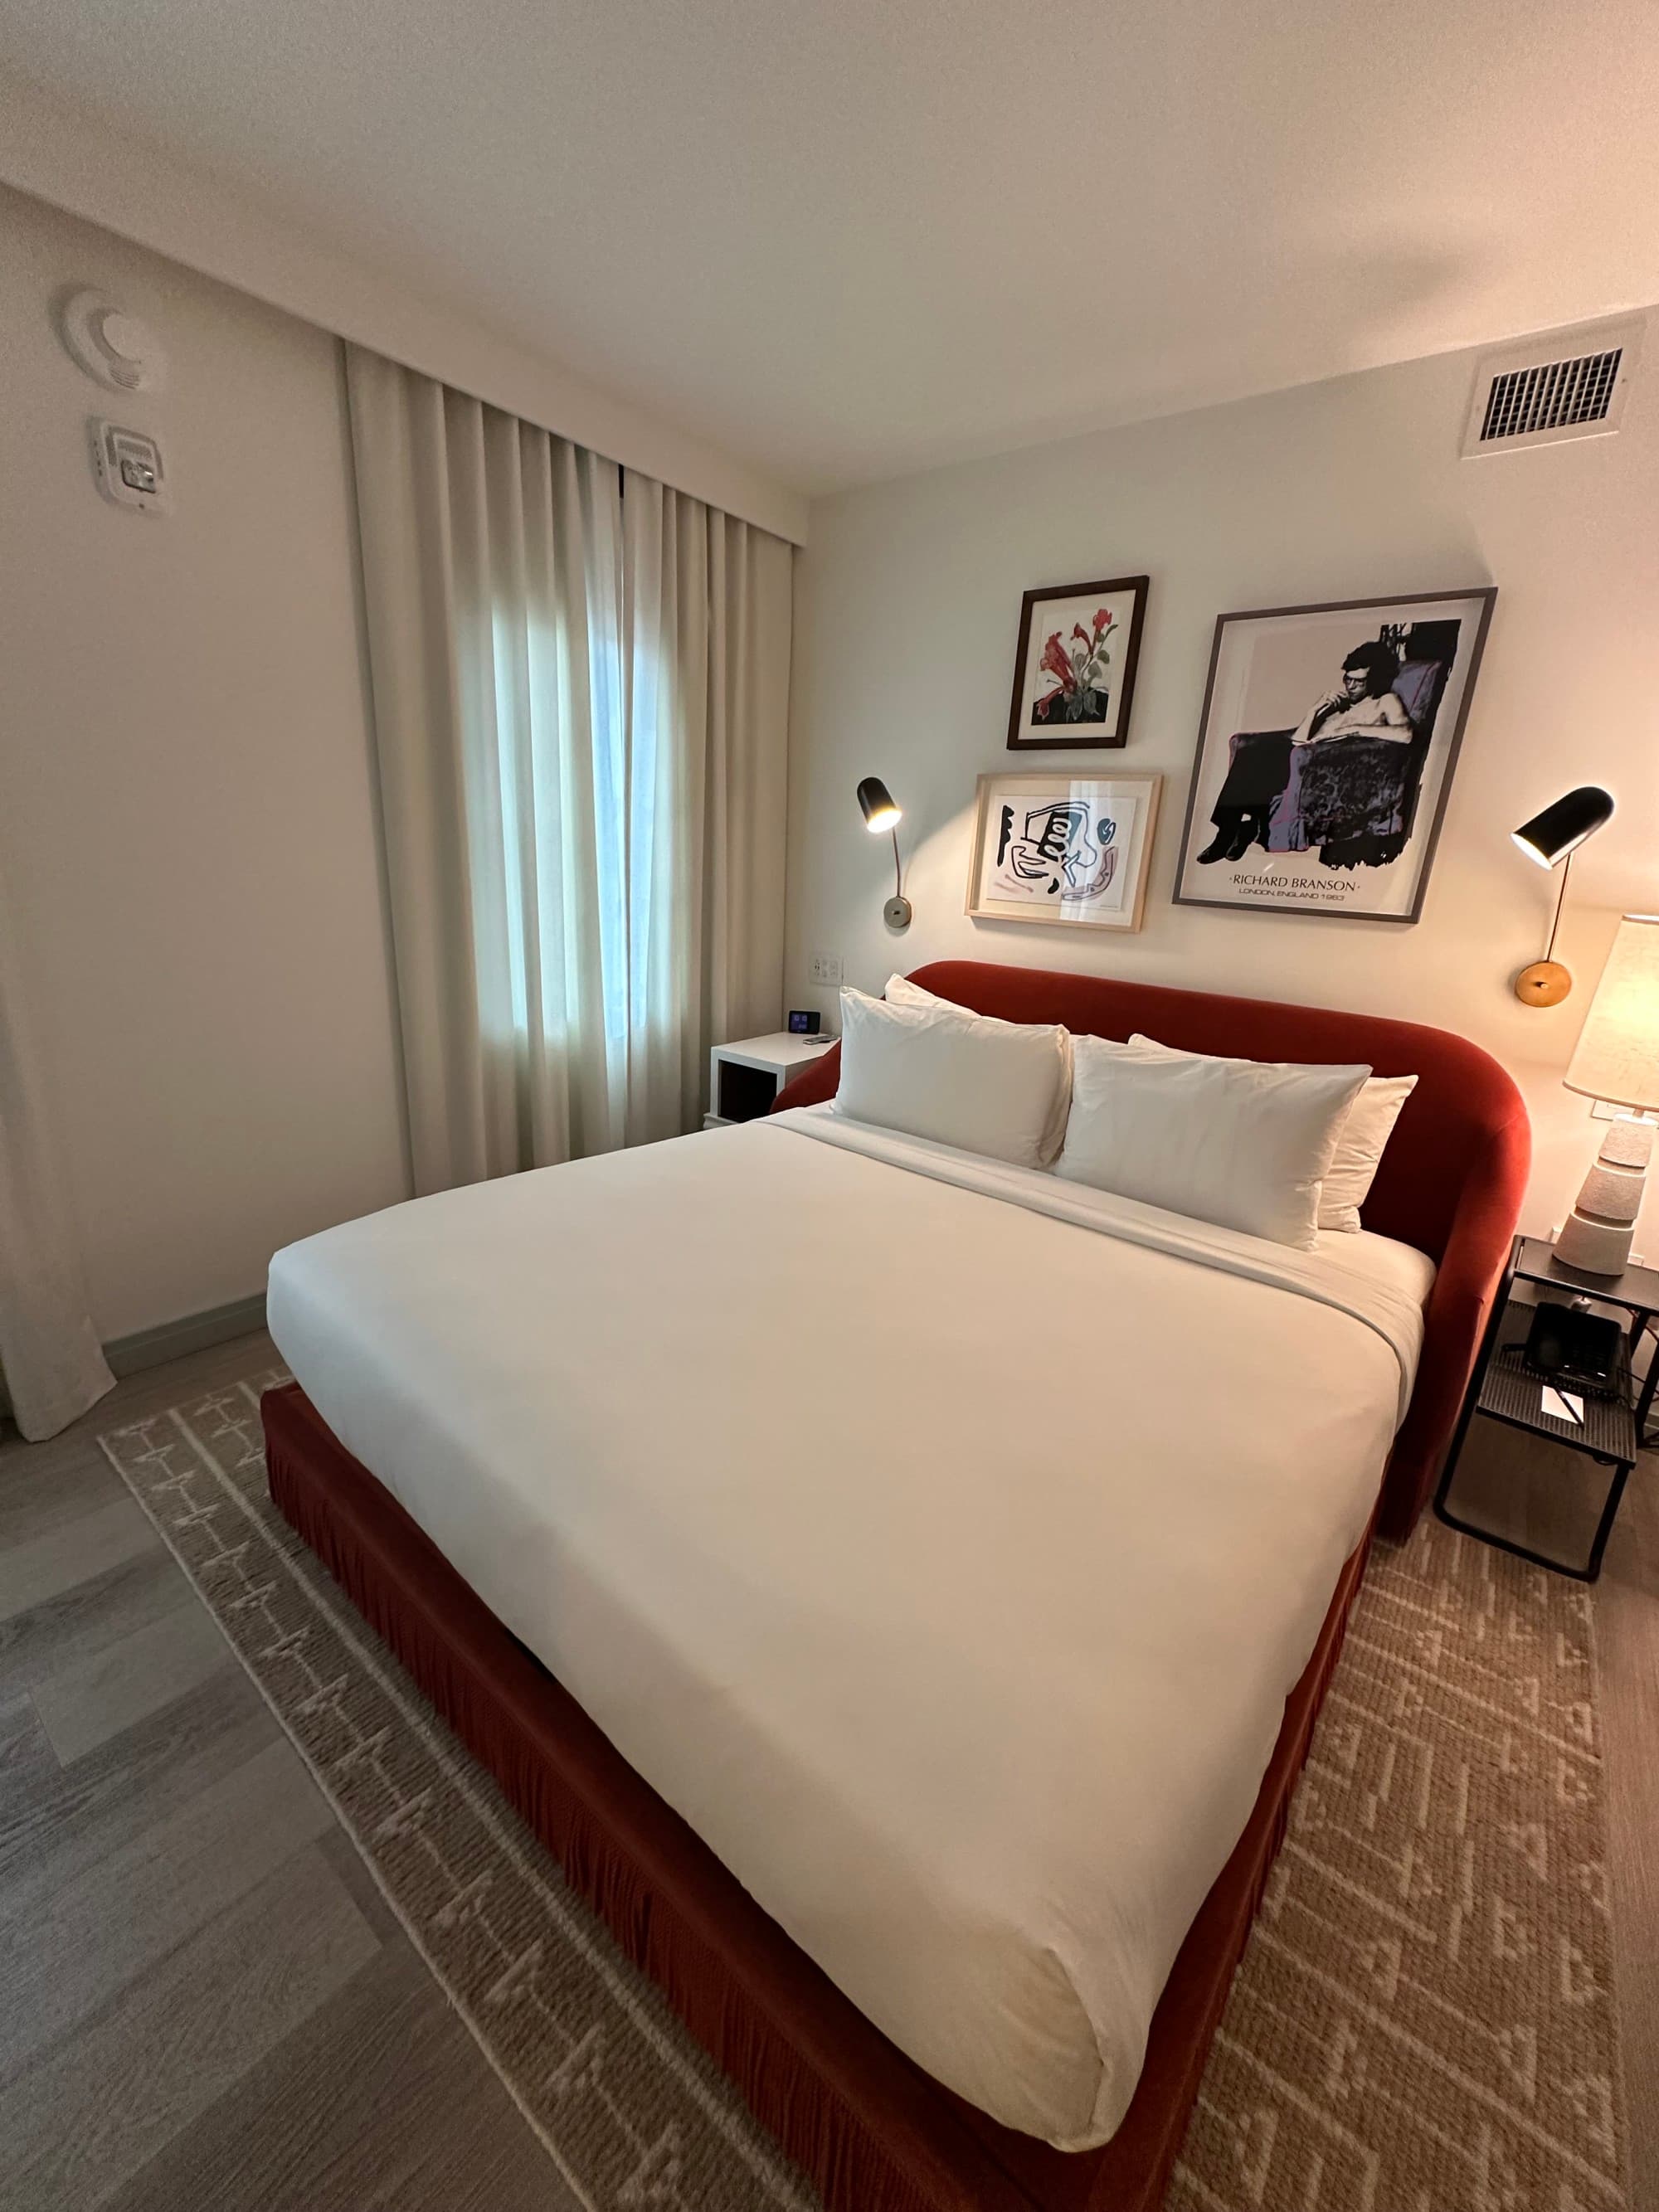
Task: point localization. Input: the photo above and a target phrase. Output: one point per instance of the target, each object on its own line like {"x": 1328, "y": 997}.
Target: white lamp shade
{"x": 1617, "y": 1055}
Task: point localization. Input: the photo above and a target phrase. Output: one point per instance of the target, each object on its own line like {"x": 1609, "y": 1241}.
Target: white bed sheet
{"x": 942, "y": 1543}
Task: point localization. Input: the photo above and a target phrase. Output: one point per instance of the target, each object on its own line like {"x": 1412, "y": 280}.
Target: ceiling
{"x": 849, "y": 239}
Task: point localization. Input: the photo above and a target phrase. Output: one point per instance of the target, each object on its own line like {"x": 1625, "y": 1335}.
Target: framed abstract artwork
{"x": 1326, "y": 752}
{"x": 1074, "y": 673}
{"x": 1054, "y": 846}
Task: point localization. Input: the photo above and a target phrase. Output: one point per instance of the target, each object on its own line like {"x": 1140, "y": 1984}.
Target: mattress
{"x": 940, "y": 1541}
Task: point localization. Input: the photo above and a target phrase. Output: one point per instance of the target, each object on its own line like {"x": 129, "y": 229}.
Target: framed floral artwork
{"x": 1325, "y": 754}
{"x": 1074, "y": 673}
{"x": 1050, "y": 846}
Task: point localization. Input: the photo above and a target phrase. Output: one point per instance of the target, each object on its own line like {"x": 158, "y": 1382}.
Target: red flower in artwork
{"x": 1081, "y": 674}
{"x": 1055, "y": 660}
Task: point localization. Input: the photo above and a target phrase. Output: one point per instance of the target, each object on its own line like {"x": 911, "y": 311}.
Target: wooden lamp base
{"x": 1545, "y": 983}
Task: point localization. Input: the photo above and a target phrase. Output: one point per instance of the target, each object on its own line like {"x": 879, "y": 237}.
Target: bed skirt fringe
{"x": 870, "y": 2130}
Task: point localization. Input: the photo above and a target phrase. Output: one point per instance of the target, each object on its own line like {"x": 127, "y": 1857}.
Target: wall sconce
{"x": 880, "y": 813}
{"x": 1551, "y": 838}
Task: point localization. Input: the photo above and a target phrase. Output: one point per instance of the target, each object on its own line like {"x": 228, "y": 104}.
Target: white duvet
{"x": 941, "y": 1542}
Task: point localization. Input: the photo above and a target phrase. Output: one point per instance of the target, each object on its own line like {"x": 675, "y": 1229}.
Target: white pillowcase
{"x": 902, "y": 992}
{"x": 961, "y": 1078}
{"x": 1358, "y": 1149}
{"x": 1244, "y": 1144}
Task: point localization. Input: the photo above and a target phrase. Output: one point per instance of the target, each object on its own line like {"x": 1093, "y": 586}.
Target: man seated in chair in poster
{"x": 1343, "y": 783}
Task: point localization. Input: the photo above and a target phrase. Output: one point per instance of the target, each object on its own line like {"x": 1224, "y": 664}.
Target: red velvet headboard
{"x": 1451, "y": 1180}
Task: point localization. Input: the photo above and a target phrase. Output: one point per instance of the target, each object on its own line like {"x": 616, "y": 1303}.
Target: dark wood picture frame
{"x": 1023, "y": 736}
{"x": 1482, "y": 596}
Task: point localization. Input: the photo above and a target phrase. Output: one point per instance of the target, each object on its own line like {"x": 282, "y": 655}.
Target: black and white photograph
{"x": 1326, "y": 752}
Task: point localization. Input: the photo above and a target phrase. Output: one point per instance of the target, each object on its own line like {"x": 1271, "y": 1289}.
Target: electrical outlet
{"x": 829, "y": 968}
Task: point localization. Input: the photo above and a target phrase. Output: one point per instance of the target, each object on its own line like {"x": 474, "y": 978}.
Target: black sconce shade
{"x": 1550, "y": 835}
{"x": 877, "y": 801}
{"x": 881, "y": 815}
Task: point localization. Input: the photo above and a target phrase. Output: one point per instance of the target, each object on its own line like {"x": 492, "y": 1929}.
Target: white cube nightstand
{"x": 746, "y": 1076}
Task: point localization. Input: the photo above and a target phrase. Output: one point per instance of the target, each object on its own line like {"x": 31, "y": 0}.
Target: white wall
{"x": 907, "y": 604}
{"x": 185, "y": 818}
{"x": 89, "y": 165}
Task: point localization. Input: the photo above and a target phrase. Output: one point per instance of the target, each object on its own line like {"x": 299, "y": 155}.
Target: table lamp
{"x": 1616, "y": 1060}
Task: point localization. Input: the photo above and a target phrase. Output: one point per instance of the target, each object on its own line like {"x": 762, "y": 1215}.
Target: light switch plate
{"x": 829, "y": 968}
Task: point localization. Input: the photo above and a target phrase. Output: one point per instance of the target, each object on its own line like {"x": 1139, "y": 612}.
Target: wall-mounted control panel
{"x": 129, "y": 468}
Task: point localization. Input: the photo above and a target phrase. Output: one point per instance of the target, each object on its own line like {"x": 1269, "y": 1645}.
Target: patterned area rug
{"x": 1423, "y": 2019}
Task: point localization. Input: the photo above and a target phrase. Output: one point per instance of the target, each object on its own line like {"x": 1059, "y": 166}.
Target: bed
{"x": 935, "y": 1778}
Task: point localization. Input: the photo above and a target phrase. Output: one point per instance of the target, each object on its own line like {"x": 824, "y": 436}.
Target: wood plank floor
{"x": 204, "y": 2002}
{"x": 203, "y": 1999}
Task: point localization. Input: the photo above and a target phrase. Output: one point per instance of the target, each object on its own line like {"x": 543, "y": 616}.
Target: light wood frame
{"x": 1148, "y": 786}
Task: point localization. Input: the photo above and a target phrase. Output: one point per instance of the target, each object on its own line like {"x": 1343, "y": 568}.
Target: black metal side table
{"x": 1503, "y": 1389}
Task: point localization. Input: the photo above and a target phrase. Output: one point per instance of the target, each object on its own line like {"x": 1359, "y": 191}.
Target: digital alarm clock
{"x": 804, "y": 1023}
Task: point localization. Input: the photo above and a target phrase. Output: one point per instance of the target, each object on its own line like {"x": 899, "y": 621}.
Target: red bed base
{"x": 872, "y": 2130}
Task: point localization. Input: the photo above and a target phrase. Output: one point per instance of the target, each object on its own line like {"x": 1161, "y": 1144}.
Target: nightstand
{"x": 1503, "y": 1388}
{"x": 745, "y": 1078}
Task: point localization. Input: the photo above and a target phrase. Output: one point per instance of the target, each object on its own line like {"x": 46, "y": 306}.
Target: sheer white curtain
{"x": 51, "y": 1363}
{"x": 580, "y": 698}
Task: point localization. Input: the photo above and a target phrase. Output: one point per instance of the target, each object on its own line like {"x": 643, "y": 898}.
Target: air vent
{"x": 1570, "y": 385}
{"x": 1559, "y": 394}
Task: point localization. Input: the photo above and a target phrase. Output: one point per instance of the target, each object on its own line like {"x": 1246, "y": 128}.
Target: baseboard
{"x": 172, "y": 1340}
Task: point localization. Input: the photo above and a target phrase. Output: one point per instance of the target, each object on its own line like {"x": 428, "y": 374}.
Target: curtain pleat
{"x": 581, "y": 693}
{"x": 52, "y": 1365}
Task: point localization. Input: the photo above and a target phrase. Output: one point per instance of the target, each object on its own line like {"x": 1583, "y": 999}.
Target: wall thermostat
{"x": 128, "y": 467}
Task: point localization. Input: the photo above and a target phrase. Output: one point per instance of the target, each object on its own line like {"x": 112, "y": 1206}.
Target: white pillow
{"x": 902, "y": 992}
{"x": 1245, "y": 1144}
{"x": 1358, "y": 1149}
{"x": 961, "y": 1078}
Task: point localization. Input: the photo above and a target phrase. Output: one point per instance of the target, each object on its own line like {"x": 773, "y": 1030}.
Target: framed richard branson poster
{"x": 1326, "y": 752}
